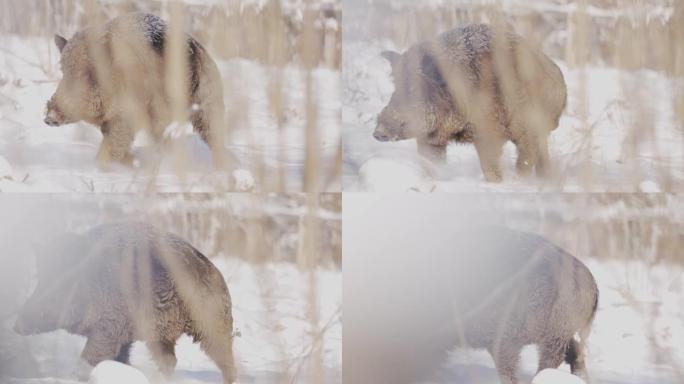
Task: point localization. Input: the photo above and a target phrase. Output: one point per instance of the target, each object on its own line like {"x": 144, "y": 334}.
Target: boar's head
{"x": 51, "y": 305}
{"x": 78, "y": 96}
{"x": 404, "y": 117}
{"x": 418, "y": 89}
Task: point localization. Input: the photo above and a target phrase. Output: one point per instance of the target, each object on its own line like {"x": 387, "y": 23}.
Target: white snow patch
{"x": 649, "y": 186}
{"x": 112, "y": 372}
{"x": 555, "y": 376}
{"x": 243, "y": 180}
{"x": 387, "y": 175}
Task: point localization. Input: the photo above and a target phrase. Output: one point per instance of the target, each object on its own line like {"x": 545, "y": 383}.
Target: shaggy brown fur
{"x": 114, "y": 77}
{"x": 475, "y": 85}
{"x": 526, "y": 291}
{"x": 123, "y": 282}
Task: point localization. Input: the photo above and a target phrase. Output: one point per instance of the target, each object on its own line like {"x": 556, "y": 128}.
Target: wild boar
{"x": 115, "y": 77}
{"x": 480, "y": 85}
{"x": 123, "y": 282}
{"x": 491, "y": 288}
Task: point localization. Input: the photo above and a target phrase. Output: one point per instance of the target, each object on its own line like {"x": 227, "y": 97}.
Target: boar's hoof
{"x": 493, "y": 177}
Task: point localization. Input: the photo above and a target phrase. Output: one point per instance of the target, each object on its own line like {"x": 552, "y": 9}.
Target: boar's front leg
{"x": 434, "y": 153}
{"x": 101, "y": 345}
{"x": 506, "y": 357}
{"x": 551, "y": 353}
{"x": 116, "y": 143}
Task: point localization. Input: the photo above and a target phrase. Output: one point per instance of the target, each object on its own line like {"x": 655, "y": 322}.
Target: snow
{"x": 62, "y": 159}
{"x": 384, "y": 175}
{"x": 651, "y": 9}
{"x": 112, "y": 372}
{"x": 636, "y": 297}
{"x": 243, "y": 180}
{"x": 554, "y": 376}
{"x": 620, "y": 134}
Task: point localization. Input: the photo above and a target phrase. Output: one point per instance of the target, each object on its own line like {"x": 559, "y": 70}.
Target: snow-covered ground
{"x": 555, "y": 376}
{"x": 37, "y": 158}
{"x": 627, "y": 140}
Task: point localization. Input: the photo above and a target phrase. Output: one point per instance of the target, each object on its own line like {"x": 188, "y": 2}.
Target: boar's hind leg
{"x": 574, "y": 355}
{"x": 219, "y": 347}
{"x": 526, "y": 158}
{"x": 124, "y": 355}
{"x": 99, "y": 347}
{"x": 164, "y": 354}
{"x": 551, "y": 353}
{"x": 533, "y": 151}
{"x": 543, "y": 163}
{"x": 489, "y": 151}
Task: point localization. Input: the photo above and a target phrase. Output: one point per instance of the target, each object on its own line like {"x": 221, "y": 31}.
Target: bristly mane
{"x": 155, "y": 31}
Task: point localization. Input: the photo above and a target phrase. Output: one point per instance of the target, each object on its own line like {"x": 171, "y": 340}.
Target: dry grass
{"x": 624, "y": 227}
{"x": 274, "y": 34}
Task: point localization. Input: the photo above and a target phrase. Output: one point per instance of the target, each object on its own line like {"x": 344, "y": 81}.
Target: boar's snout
{"x": 380, "y": 133}
{"x": 53, "y": 115}
{"x": 390, "y": 126}
{"x": 51, "y": 121}
{"x": 384, "y": 132}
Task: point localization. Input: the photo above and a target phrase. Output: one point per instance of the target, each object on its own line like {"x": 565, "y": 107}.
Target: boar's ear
{"x": 391, "y": 56}
{"x": 60, "y": 42}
